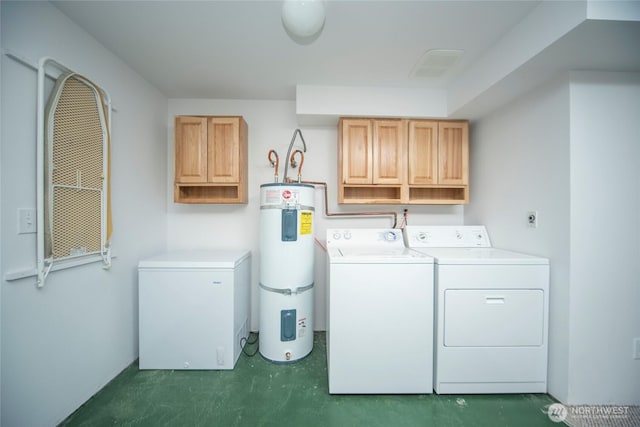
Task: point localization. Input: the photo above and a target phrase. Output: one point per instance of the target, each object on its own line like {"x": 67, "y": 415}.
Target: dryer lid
{"x": 481, "y": 256}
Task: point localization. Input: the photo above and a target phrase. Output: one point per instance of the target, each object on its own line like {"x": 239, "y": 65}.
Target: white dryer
{"x": 491, "y": 307}
{"x": 379, "y": 314}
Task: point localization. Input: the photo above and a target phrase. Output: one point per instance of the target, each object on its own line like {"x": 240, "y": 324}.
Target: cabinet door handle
{"x": 494, "y": 300}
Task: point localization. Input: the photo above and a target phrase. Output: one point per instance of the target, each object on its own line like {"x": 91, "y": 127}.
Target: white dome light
{"x": 303, "y": 18}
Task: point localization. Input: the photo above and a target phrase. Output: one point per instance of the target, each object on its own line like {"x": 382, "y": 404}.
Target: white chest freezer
{"x": 193, "y": 309}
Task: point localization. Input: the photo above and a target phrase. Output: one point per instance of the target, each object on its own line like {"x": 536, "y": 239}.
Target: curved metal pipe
{"x": 304, "y": 144}
{"x": 293, "y": 163}
{"x": 274, "y": 163}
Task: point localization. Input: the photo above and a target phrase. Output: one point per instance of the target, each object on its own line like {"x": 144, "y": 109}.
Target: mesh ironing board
{"x": 77, "y": 214}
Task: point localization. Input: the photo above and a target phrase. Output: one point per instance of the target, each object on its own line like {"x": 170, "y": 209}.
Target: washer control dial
{"x": 423, "y": 236}
{"x": 390, "y": 236}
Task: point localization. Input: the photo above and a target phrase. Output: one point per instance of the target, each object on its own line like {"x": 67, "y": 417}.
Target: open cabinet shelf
{"x": 207, "y": 193}
{"x": 371, "y": 194}
{"x": 439, "y": 195}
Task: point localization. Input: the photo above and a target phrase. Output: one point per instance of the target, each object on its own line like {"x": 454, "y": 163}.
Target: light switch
{"x": 26, "y": 221}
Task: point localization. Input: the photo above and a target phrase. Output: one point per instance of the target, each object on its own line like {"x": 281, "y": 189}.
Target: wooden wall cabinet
{"x": 210, "y": 159}
{"x": 372, "y": 166}
{"x": 356, "y": 137}
{"x": 438, "y": 160}
{"x": 398, "y": 161}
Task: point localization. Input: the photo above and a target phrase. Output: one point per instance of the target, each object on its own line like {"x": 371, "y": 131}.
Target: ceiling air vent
{"x": 435, "y": 63}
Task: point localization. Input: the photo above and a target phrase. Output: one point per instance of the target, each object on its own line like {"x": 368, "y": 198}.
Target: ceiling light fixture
{"x": 303, "y": 19}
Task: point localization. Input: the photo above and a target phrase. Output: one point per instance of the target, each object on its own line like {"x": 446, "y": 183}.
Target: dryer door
{"x": 493, "y": 317}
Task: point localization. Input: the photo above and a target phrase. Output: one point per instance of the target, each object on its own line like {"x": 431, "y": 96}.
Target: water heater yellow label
{"x": 306, "y": 222}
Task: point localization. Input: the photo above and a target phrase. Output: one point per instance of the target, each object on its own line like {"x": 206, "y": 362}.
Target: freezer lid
{"x": 213, "y": 258}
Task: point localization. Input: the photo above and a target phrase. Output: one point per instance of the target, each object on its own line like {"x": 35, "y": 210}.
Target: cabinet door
{"x": 223, "y": 149}
{"x": 388, "y": 151}
{"x": 453, "y": 153}
{"x": 356, "y": 150}
{"x": 191, "y": 149}
{"x": 423, "y": 152}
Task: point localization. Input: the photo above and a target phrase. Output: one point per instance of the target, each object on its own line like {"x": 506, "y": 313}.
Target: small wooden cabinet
{"x": 400, "y": 161}
{"x": 371, "y": 160}
{"x": 438, "y": 160}
{"x": 210, "y": 159}
{"x": 389, "y": 142}
{"x": 356, "y": 138}
{"x": 373, "y": 151}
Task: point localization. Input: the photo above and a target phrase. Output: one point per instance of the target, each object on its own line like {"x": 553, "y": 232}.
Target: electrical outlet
{"x": 26, "y": 221}
{"x": 532, "y": 219}
{"x": 636, "y": 348}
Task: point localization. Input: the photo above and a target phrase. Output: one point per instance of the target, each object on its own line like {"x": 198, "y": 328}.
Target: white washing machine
{"x": 491, "y": 312}
{"x": 379, "y": 314}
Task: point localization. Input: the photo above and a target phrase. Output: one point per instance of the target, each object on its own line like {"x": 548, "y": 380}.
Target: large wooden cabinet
{"x": 210, "y": 159}
{"x": 399, "y": 161}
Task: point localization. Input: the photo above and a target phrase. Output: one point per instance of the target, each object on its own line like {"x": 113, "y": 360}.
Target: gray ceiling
{"x": 240, "y": 50}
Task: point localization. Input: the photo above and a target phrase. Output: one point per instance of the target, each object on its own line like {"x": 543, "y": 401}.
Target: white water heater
{"x": 286, "y": 271}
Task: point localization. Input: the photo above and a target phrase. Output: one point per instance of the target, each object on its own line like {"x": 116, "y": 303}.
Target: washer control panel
{"x": 446, "y": 236}
{"x": 374, "y": 237}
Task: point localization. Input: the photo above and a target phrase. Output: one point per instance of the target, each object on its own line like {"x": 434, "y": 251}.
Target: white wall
{"x": 1, "y": 271}
{"x": 62, "y": 343}
{"x": 570, "y": 151}
{"x": 519, "y": 163}
{"x": 271, "y": 125}
{"x": 605, "y": 238}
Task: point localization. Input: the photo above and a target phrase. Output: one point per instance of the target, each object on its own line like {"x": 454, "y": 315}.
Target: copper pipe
{"x": 274, "y": 163}
{"x": 329, "y": 214}
{"x": 292, "y": 160}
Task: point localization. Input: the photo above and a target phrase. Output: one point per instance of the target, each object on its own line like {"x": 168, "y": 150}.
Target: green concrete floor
{"x": 259, "y": 393}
